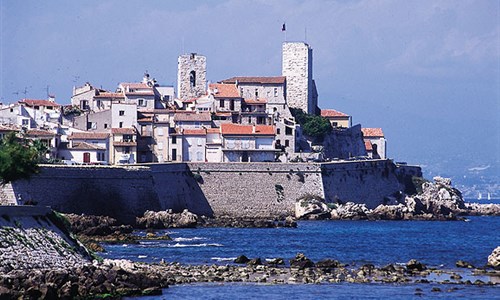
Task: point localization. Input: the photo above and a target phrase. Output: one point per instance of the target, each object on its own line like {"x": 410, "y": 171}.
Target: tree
{"x": 18, "y": 159}
{"x": 312, "y": 125}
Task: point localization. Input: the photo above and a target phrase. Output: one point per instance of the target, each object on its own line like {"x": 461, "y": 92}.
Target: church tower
{"x": 297, "y": 67}
{"x": 191, "y": 76}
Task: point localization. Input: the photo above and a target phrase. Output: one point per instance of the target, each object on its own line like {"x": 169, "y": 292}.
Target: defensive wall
{"x": 212, "y": 189}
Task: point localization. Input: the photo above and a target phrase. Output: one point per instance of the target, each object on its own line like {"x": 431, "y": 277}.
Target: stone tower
{"x": 191, "y": 76}
{"x": 297, "y": 67}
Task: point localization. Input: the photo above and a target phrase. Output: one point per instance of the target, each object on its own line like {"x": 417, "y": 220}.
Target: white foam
{"x": 142, "y": 256}
{"x": 223, "y": 258}
{"x": 184, "y": 239}
{"x": 178, "y": 245}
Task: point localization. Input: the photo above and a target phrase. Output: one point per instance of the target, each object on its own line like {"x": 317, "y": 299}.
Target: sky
{"x": 427, "y": 72}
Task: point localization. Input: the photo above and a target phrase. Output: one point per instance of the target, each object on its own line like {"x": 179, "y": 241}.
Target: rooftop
{"x": 192, "y": 117}
{"x": 372, "y": 132}
{"x": 237, "y": 129}
{"x": 332, "y": 113}
{"x": 122, "y": 130}
{"x": 88, "y": 136}
{"x": 224, "y": 90}
{"x": 38, "y": 102}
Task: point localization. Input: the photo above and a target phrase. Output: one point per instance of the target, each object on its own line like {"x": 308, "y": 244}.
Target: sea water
{"x": 435, "y": 243}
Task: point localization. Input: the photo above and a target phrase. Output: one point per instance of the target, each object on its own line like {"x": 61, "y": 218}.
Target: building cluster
{"x": 240, "y": 119}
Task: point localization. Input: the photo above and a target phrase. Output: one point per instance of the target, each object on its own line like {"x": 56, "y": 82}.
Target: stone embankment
{"x": 436, "y": 201}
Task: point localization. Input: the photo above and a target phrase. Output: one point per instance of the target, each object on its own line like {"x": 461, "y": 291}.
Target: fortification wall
{"x": 256, "y": 189}
{"x": 115, "y": 191}
{"x": 366, "y": 182}
{"x": 211, "y": 189}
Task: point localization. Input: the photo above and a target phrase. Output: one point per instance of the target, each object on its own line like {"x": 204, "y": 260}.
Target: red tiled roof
{"x": 86, "y": 146}
{"x": 237, "y": 129}
{"x": 88, "y": 136}
{"x": 255, "y": 101}
{"x": 39, "y": 132}
{"x": 122, "y": 130}
{"x": 140, "y": 93}
{"x": 225, "y": 90}
{"x": 8, "y": 128}
{"x": 332, "y": 113}
{"x": 37, "y": 102}
{"x": 213, "y": 130}
{"x": 194, "y": 116}
{"x": 110, "y": 95}
{"x": 194, "y": 132}
{"x": 260, "y": 80}
{"x": 145, "y": 119}
{"x": 368, "y": 146}
{"x": 372, "y": 132}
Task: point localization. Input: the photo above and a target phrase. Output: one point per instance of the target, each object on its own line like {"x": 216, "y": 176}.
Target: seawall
{"x": 211, "y": 189}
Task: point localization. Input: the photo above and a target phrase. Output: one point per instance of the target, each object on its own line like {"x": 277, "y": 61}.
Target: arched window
{"x": 192, "y": 79}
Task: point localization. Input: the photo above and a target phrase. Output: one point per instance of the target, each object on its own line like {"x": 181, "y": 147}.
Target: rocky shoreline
{"x": 118, "y": 278}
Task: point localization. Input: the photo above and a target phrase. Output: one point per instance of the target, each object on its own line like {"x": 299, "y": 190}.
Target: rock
{"x": 301, "y": 261}
{"x": 415, "y": 265}
{"x": 494, "y": 258}
{"x": 464, "y": 264}
{"x": 328, "y": 264}
{"x": 312, "y": 208}
{"x": 167, "y": 219}
{"x": 255, "y": 262}
{"x": 277, "y": 261}
{"x": 242, "y": 259}
{"x": 350, "y": 211}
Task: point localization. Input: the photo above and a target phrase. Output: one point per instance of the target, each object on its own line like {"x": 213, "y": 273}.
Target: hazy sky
{"x": 427, "y": 72}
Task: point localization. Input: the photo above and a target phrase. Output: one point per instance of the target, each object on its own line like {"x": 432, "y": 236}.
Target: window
{"x": 126, "y": 150}
{"x": 278, "y": 130}
{"x": 241, "y": 92}
{"x": 37, "y": 107}
{"x": 221, "y": 103}
{"x": 121, "y": 112}
{"x": 105, "y": 125}
{"x": 231, "y": 105}
{"x": 288, "y": 131}
{"x": 174, "y": 139}
{"x": 11, "y": 110}
{"x": 192, "y": 79}
{"x": 256, "y": 93}
{"x": 197, "y": 124}
{"x": 120, "y": 125}
{"x": 25, "y": 122}
{"x": 141, "y": 102}
{"x": 287, "y": 143}
{"x": 249, "y": 120}
{"x": 275, "y": 92}
{"x": 174, "y": 154}
{"x": 99, "y": 103}
{"x": 127, "y": 138}
{"x": 335, "y": 124}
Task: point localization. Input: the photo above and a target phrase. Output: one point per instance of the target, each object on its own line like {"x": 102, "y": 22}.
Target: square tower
{"x": 191, "y": 76}
{"x": 297, "y": 67}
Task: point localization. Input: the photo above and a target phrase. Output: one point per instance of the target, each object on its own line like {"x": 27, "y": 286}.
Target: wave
{"x": 178, "y": 245}
{"x": 184, "y": 239}
{"x": 223, "y": 258}
{"x": 142, "y": 256}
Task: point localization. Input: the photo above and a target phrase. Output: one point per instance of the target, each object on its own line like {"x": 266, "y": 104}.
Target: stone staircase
{"x": 7, "y": 195}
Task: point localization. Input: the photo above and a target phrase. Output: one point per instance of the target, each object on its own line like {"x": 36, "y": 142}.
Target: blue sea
{"x": 435, "y": 243}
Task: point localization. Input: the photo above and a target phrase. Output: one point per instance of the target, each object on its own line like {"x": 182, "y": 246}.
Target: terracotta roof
{"x": 368, "y": 146}
{"x": 225, "y": 90}
{"x": 39, "y": 132}
{"x": 110, "y": 95}
{"x": 8, "y": 128}
{"x": 237, "y": 129}
{"x": 124, "y": 144}
{"x": 223, "y": 114}
{"x": 255, "y": 101}
{"x": 194, "y": 132}
{"x": 36, "y": 102}
{"x": 86, "y": 146}
{"x": 213, "y": 130}
{"x": 140, "y": 93}
{"x": 332, "y": 113}
{"x": 372, "y": 132}
{"x": 189, "y": 100}
{"x": 193, "y": 116}
{"x": 146, "y": 119}
{"x": 259, "y": 79}
{"x": 88, "y": 136}
{"x": 122, "y": 130}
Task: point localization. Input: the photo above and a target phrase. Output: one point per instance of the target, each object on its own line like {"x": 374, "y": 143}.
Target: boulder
{"x": 464, "y": 264}
{"x": 167, "y": 219}
{"x": 494, "y": 258}
{"x": 350, "y": 211}
{"x": 312, "y": 208}
{"x": 415, "y": 265}
{"x": 301, "y": 261}
{"x": 242, "y": 259}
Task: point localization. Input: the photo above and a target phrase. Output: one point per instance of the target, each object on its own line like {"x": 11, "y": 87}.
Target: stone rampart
{"x": 211, "y": 189}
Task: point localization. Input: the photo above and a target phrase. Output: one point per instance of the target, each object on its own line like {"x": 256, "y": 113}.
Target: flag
{"x": 283, "y": 28}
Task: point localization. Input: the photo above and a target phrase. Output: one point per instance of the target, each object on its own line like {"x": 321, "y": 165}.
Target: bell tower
{"x": 191, "y": 76}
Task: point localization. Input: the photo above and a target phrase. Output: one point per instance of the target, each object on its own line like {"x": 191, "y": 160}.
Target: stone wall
{"x": 188, "y": 63}
{"x": 211, "y": 189}
{"x": 31, "y": 239}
